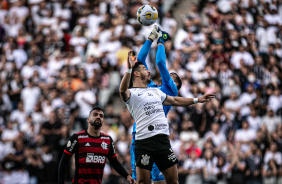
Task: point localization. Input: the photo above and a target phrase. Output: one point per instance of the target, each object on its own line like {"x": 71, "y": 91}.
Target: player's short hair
{"x": 97, "y": 109}
{"x": 178, "y": 80}
{"x": 135, "y": 68}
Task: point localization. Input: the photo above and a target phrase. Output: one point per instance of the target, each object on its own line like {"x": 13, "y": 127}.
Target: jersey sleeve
{"x": 170, "y": 88}
{"x": 160, "y": 60}
{"x": 163, "y": 95}
{"x": 112, "y": 152}
{"x": 144, "y": 52}
{"x": 72, "y": 145}
{"x": 131, "y": 96}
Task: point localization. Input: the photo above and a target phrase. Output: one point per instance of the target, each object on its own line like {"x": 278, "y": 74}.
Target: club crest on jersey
{"x": 104, "y": 145}
{"x": 145, "y": 159}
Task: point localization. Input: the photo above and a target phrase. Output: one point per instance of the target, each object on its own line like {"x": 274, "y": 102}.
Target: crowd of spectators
{"x": 59, "y": 58}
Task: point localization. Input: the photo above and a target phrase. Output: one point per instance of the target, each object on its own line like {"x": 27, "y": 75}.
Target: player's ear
{"x": 136, "y": 73}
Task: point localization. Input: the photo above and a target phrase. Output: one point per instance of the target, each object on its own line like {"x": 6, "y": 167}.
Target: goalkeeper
{"x": 171, "y": 83}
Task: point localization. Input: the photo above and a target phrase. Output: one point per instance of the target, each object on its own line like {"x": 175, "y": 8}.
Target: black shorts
{"x": 154, "y": 149}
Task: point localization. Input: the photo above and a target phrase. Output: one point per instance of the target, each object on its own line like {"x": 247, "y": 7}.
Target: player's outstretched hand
{"x": 206, "y": 98}
{"x": 130, "y": 179}
{"x": 130, "y": 60}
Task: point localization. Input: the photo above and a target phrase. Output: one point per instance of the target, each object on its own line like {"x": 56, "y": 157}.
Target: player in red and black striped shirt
{"x": 91, "y": 147}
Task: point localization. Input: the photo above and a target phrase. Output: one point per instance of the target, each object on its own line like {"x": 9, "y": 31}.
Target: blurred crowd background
{"x": 59, "y": 58}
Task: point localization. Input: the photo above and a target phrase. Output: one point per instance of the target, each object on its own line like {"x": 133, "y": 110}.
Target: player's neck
{"x": 93, "y": 132}
{"x": 139, "y": 84}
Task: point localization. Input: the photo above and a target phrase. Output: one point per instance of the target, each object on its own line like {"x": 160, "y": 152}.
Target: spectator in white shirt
{"x": 30, "y": 96}
{"x": 169, "y": 24}
{"x": 19, "y": 10}
{"x": 19, "y": 56}
{"x": 55, "y": 64}
{"x": 275, "y": 100}
{"x": 254, "y": 120}
{"x": 270, "y": 120}
{"x": 224, "y": 74}
{"x": 196, "y": 62}
{"x": 78, "y": 41}
{"x": 94, "y": 21}
{"x": 242, "y": 54}
{"x": 246, "y": 98}
{"x": 28, "y": 69}
{"x": 233, "y": 105}
{"x": 217, "y": 137}
{"x": 124, "y": 29}
{"x": 48, "y": 23}
{"x": 274, "y": 154}
{"x": 175, "y": 142}
{"x": 9, "y": 135}
{"x": 209, "y": 170}
{"x": 193, "y": 167}
{"x": 245, "y": 135}
{"x": 261, "y": 36}
{"x": 18, "y": 115}
{"x": 85, "y": 100}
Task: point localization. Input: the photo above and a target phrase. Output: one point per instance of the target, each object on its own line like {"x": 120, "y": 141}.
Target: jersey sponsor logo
{"x": 160, "y": 126}
{"x": 150, "y": 94}
{"x": 104, "y": 145}
{"x": 152, "y": 103}
{"x": 92, "y": 158}
{"x": 72, "y": 145}
{"x": 83, "y": 136}
{"x": 87, "y": 144}
{"x": 172, "y": 157}
{"x": 151, "y": 128}
{"x": 139, "y": 94}
{"x": 105, "y": 138}
{"x": 149, "y": 107}
{"x": 69, "y": 144}
{"x": 150, "y": 112}
{"x": 145, "y": 159}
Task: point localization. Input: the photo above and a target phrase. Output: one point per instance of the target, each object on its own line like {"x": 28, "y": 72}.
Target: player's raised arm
{"x": 123, "y": 89}
{"x": 160, "y": 57}
{"x": 147, "y": 45}
{"x": 181, "y": 101}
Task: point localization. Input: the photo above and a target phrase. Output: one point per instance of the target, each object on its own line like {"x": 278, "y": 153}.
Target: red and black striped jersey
{"x": 90, "y": 156}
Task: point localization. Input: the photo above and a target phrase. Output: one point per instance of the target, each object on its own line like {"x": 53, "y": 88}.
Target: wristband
{"x": 129, "y": 70}
{"x": 195, "y": 100}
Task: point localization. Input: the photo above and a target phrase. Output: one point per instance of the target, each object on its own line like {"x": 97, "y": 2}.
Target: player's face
{"x": 96, "y": 118}
{"x": 145, "y": 74}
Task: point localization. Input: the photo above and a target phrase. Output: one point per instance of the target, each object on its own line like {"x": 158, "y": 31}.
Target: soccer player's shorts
{"x": 156, "y": 174}
{"x": 154, "y": 149}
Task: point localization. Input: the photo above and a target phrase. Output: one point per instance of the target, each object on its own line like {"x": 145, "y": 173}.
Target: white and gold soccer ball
{"x": 147, "y": 15}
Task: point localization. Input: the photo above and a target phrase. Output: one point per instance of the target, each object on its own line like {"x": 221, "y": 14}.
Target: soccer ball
{"x": 147, "y": 15}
